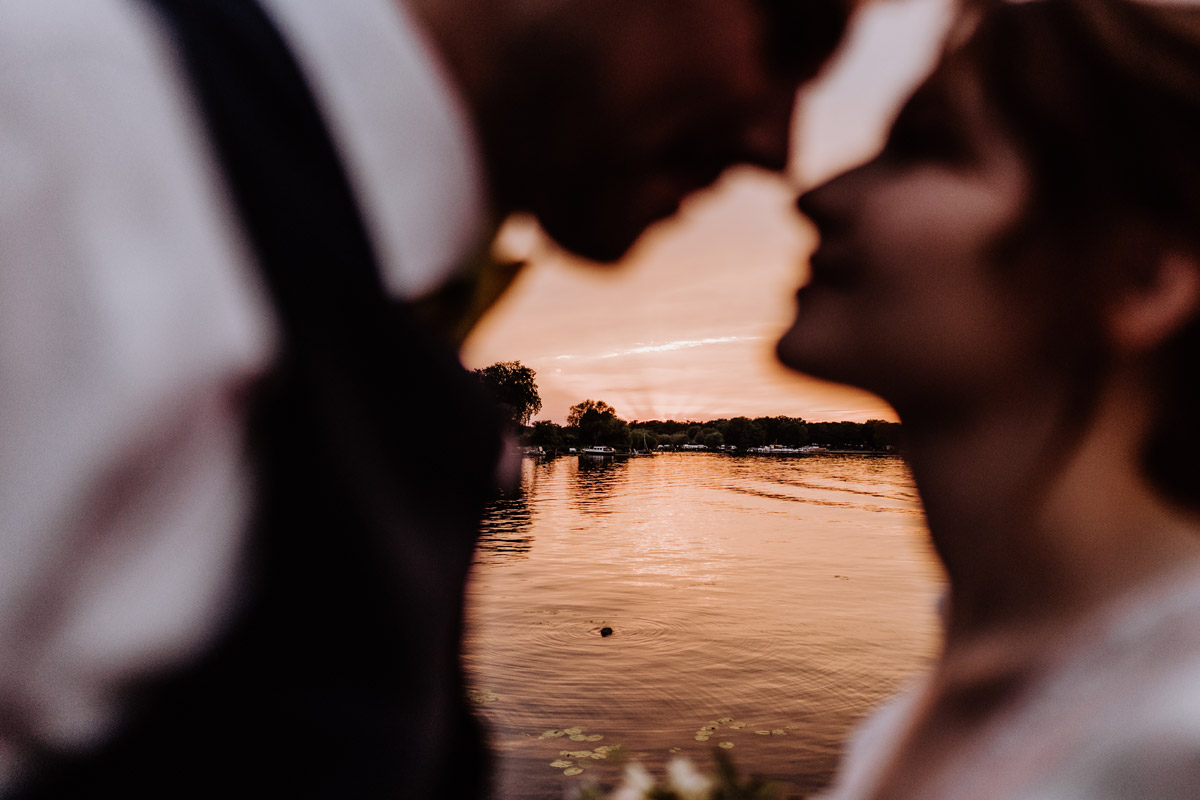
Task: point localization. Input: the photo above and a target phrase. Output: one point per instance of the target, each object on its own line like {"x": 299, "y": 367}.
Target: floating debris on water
{"x": 481, "y": 697}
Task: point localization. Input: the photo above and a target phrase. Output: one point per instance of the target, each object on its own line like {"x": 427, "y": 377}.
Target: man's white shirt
{"x": 133, "y": 323}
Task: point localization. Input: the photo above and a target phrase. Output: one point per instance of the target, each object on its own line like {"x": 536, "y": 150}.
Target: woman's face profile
{"x": 905, "y": 297}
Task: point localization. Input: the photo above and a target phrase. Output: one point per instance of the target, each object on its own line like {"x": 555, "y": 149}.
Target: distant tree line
{"x": 595, "y": 422}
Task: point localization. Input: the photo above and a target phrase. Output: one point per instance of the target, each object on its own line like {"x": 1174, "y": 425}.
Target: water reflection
{"x": 507, "y": 530}
{"x": 597, "y": 481}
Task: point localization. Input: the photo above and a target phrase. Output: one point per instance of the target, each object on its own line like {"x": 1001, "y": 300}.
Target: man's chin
{"x": 603, "y": 226}
{"x": 603, "y": 245}
{"x": 811, "y": 353}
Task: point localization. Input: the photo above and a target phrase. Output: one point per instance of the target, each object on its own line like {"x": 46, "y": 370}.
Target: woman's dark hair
{"x": 803, "y": 34}
{"x": 1102, "y": 97}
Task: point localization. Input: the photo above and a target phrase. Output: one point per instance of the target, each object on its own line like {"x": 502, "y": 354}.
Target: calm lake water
{"x": 758, "y": 593}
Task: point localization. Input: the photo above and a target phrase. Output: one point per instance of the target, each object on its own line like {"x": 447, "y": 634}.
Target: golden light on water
{"x": 753, "y": 605}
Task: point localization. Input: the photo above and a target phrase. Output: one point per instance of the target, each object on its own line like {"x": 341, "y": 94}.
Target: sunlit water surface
{"x": 758, "y": 594}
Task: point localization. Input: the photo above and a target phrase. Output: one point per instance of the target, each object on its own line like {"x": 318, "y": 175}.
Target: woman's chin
{"x": 812, "y": 344}
{"x": 811, "y": 352}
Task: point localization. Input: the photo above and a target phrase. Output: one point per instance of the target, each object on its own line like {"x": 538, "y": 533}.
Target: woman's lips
{"x": 832, "y": 267}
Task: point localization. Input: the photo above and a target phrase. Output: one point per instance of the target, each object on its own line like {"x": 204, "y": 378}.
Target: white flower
{"x": 685, "y": 780}
{"x": 636, "y": 784}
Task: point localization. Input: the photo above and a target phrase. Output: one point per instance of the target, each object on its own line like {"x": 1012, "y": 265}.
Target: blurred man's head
{"x": 600, "y": 116}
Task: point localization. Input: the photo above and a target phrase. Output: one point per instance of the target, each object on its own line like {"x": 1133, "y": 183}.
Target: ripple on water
{"x": 743, "y": 594}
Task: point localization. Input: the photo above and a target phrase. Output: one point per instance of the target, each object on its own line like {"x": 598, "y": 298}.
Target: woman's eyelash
{"x": 921, "y": 136}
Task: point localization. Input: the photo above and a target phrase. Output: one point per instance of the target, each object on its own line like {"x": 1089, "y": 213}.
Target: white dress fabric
{"x": 133, "y": 322}
{"x": 1117, "y": 716}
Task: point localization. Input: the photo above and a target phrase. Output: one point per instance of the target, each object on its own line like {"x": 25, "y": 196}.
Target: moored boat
{"x": 781, "y": 450}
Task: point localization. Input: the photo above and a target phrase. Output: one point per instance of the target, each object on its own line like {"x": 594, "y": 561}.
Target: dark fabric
{"x": 375, "y": 452}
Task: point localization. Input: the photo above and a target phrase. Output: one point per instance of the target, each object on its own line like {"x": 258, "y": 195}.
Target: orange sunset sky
{"x": 685, "y": 326}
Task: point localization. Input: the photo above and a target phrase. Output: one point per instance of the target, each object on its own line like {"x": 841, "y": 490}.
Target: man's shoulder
{"x": 75, "y": 30}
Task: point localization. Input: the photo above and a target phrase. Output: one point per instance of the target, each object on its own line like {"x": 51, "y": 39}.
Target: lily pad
{"x": 725, "y": 720}
{"x": 763, "y": 733}
{"x": 778, "y": 732}
{"x": 560, "y": 764}
{"x": 572, "y": 731}
{"x": 725, "y": 745}
{"x": 572, "y": 771}
{"x": 552, "y": 734}
{"x": 701, "y": 737}
{"x": 737, "y": 726}
{"x": 578, "y": 737}
{"x": 595, "y": 737}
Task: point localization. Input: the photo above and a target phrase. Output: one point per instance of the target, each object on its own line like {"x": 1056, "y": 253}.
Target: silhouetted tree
{"x": 741, "y": 433}
{"x": 597, "y": 423}
{"x": 884, "y": 435}
{"x": 547, "y": 435}
{"x": 614, "y": 432}
{"x": 515, "y": 388}
{"x": 575, "y": 415}
{"x": 643, "y": 438}
{"x": 793, "y": 433}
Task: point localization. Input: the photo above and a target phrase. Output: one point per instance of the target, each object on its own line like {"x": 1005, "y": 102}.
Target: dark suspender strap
{"x": 303, "y": 219}
{"x": 288, "y": 182}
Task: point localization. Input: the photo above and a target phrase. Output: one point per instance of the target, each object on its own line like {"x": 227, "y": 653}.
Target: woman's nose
{"x": 831, "y": 206}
